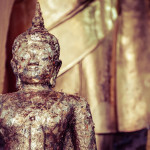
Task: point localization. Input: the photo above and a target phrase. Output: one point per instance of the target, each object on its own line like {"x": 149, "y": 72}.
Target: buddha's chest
{"x": 35, "y": 119}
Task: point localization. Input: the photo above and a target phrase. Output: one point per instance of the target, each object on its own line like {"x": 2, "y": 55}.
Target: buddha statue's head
{"x": 36, "y": 55}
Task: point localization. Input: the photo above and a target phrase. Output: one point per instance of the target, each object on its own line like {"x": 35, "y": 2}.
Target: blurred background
{"x": 106, "y": 59}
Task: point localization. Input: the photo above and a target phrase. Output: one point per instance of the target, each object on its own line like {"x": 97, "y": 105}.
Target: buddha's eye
{"x": 24, "y": 56}
{"x": 46, "y": 58}
{"x": 22, "y": 59}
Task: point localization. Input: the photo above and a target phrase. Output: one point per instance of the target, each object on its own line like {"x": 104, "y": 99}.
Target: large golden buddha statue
{"x": 36, "y": 117}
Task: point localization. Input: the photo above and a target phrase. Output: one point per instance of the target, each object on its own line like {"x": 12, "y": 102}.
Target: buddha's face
{"x": 35, "y": 63}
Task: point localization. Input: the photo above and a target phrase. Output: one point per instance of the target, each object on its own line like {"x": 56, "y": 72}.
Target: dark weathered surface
{"x": 45, "y": 120}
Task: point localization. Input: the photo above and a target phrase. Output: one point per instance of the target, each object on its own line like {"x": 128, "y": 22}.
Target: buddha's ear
{"x": 18, "y": 82}
{"x": 56, "y": 65}
{"x": 14, "y": 66}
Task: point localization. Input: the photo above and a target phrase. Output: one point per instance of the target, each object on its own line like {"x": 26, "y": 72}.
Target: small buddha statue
{"x": 36, "y": 117}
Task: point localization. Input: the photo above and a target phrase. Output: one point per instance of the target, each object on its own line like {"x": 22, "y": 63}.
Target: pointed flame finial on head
{"x": 38, "y": 20}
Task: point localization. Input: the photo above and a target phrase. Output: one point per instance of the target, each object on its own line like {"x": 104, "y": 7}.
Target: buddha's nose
{"x": 33, "y": 61}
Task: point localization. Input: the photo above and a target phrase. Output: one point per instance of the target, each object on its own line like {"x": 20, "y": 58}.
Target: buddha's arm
{"x": 83, "y": 128}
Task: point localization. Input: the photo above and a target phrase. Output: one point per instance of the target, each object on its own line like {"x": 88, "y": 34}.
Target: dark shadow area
{"x": 2, "y": 142}
{"x": 130, "y": 141}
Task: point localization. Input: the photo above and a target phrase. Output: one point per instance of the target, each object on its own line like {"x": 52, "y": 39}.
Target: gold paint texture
{"x": 128, "y": 110}
{"x": 133, "y": 69}
{"x": 81, "y": 33}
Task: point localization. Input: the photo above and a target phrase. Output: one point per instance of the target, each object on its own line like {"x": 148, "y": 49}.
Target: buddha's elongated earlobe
{"x": 53, "y": 82}
{"x": 57, "y": 65}
{"x": 18, "y": 83}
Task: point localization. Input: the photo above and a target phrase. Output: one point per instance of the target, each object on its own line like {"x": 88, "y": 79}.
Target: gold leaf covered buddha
{"x": 36, "y": 117}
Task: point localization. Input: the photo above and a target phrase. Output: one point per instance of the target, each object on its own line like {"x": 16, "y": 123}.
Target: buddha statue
{"x": 36, "y": 117}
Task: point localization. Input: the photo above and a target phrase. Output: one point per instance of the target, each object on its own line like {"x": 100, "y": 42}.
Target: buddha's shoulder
{"x": 7, "y": 96}
{"x": 73, "y": 99}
